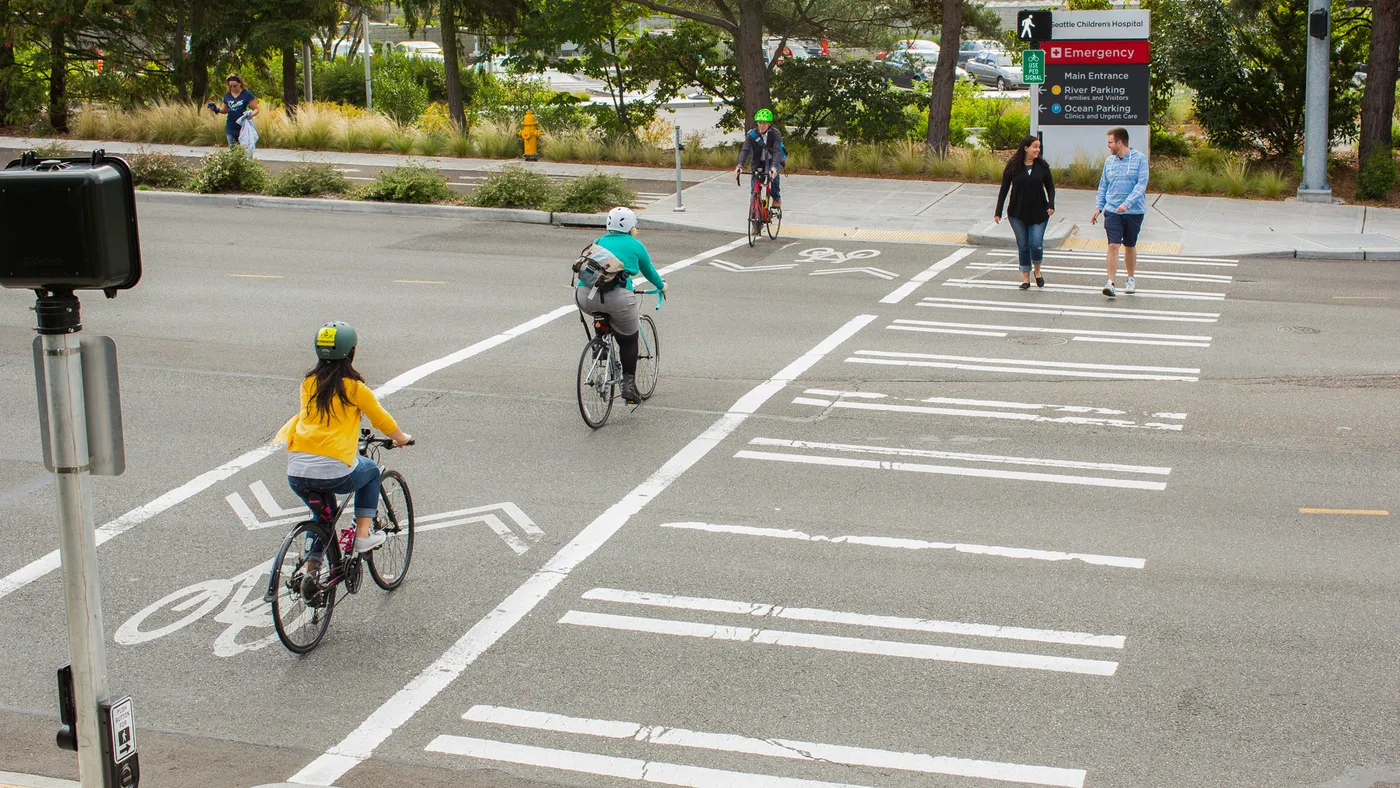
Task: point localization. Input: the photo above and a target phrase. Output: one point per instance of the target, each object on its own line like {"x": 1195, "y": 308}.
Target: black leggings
{"x": 628, "y": 344}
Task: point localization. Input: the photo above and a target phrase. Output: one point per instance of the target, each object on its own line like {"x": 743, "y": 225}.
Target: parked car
{"x": 992, "y": 69}
{"x": 792, "y": 49}
{"x": 908, "y": 67}
{"x": 423, "y": 49}
{"x": 968, "y": 50}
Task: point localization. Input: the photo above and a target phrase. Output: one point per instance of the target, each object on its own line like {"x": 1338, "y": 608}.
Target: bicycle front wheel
{"x": 388, "y": 563}
{"x": 302, "y": 608}
{"x": 775, "y": 222}
{"x": 595, "y": 389}
{"x": 755, "y": 220}
{"x": 648, "y": 358}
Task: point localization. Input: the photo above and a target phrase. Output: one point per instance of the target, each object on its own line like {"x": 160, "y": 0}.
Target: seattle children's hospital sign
{"x": 1096, "y": 78}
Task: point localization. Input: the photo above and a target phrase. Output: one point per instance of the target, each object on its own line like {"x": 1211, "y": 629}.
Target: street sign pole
{"x": 1035, "y": 111}
{"x": 369, "y": 86}
{"x": 1314, "y": 187}
{"x": 680, "y": 206}
{"x": 58, "y": 327}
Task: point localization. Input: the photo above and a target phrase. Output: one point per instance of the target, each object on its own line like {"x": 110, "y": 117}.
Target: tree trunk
{"x": 179, "y": 59}
{"x": 199, "y": 57}
{"x": 7, "y": 58}
{"x": 940, "y": 100}
{"x": 451, "y": 58}
{"x": 289, "y": 80}
{"x": 58, "y": 77}
{"x": 748, "y": 56}
{"x": 1378, "y": 101}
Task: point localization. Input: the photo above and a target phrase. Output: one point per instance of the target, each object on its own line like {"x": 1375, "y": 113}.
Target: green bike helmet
{"x": 335, "y": 341}
{"x": 764, "y": 115}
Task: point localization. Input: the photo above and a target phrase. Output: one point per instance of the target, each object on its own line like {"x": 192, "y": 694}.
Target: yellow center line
{"x": 417, "y": 282}
{"x": 256, "y": 276}
{"x": 1363, "y": 298}
{"x": 1344, "y": 511}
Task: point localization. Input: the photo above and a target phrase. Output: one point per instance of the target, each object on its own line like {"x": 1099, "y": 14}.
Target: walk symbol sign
{"x": 1034, "y": 26}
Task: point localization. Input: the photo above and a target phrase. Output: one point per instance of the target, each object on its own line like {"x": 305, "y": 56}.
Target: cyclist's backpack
{"x": 757, "y": 140}
{"x": 599, "y": 270}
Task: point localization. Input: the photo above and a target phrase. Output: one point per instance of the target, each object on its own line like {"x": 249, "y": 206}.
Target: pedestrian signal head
{"x": 335, "y": 341}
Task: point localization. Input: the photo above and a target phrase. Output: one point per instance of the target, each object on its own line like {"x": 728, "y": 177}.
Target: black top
{"x": 1032, "y": 192}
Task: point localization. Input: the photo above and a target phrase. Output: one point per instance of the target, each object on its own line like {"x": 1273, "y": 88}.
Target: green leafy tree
{"x": 454, "y": 15}
{"x": 852, "y": 99}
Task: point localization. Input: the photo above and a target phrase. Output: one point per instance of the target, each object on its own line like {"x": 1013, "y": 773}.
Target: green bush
{"x": 400, "y": 97}
{"x": 308, "y": 180}
{"x": 1168, "y": 143}
{"x": 514, "y": 187}
{"x": 408, "y": 183}
{"x": 159, "y": 171}
{"x": 1376, "y": 176}
{"x": 1005, "y": 129}
{"x": 54, "y": 149}
{"x": 593, "y": 193}
{"x": 229, "y": 170}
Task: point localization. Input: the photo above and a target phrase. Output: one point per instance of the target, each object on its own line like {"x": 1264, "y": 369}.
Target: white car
{"x": 928, "y": 50}
{"x": 423, "y": 49}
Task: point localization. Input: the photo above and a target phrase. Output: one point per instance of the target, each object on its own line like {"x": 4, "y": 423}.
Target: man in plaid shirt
{"x": 1123, "y": 194}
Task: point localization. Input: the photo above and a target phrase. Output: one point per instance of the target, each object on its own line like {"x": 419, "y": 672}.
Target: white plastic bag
{"x": 248, "y": 135}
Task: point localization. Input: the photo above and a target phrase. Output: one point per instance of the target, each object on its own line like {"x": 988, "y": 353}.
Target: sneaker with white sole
{"x": 1132, "y": 286}
{"x": 1108, "y": 289}
{"x": 370, "y": 542}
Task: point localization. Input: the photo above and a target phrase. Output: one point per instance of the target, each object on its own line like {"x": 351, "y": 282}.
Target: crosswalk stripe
{"x": 997, "y": 459}
{"x": 818, "y": 615}
{"x": 898, "y": 543}
{"x": 919, "y": 325}
{"x": 1185, "y": 295}
{"x": 984, "y": 414}
{"x": 772, "y": 747}
{"x": 1025, "y": 367}
{"x": 1066, "y": 310}
{"x": 1065, "y": 254}
{"x": 1099, "y": 272}
{"x": 951, "y": 470}
{"x": 887, "y": 648}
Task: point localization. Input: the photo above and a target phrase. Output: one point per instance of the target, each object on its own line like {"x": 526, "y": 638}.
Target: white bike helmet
{"x": 621, "y": 220}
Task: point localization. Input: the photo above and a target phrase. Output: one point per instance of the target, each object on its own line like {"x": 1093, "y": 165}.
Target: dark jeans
{"x": 363, "y": 481}
{"x": 1030, "y": 242}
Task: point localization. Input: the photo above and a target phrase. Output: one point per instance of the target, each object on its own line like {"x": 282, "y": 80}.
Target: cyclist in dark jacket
{"x": 765, "y": 145}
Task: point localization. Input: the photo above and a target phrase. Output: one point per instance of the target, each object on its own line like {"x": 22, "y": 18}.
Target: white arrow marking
{"x": 250, "y": 520}
{"x": 735, "y": 267}
{"x": 269, "y": 504}
{"x": 875, "y": 272}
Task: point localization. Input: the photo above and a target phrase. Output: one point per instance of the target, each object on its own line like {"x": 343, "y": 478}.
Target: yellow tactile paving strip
{"x": 1101, "y": 245}
{"x": 873, "y": 234}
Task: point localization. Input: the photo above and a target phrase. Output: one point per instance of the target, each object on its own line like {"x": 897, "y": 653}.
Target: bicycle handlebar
{"x": 384, "y": 443}
{"x": 660, "y": 296}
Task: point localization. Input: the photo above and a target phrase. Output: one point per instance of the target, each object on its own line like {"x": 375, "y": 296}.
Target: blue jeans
{"x": 231, "y": 136}
{"x": 1030, "y": 242}
{"x": 363, "y": 481}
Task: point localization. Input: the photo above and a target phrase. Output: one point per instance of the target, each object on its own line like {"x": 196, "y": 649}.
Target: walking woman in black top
{"x": 1027, "y": 176}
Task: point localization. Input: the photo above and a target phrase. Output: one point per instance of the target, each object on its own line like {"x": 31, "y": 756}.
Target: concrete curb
{"x": 17, "y": 780}
{"x": 995, "y": 236}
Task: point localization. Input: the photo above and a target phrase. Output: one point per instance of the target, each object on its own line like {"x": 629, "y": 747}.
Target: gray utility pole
{"x": 306, "y": 69}
{"x": 1316, "y": 152}
{"x": 77, "y": 545}
{"x": 369, "y": 87}
{"x": 680, "y": 206}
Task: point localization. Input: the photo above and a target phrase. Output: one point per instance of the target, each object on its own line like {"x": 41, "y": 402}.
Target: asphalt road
{"x": 870, "y": 531}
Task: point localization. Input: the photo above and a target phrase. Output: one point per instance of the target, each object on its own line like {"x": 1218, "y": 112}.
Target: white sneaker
{"x": 370, "y": 542}
{"x": 1108, "y": 289}
{"x": 1132, "y": 286}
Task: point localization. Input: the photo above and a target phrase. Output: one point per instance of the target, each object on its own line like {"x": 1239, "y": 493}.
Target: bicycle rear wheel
{"x": 648, "y": 358}
{"x": 595, "y": 389}
{"x": 388, "y": 563}
{"x": 755, "y": 223}
{"x": 774, "y": 223}
{"x": 301, "y": 610}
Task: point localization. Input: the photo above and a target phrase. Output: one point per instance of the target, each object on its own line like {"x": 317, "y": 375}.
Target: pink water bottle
{"x": 347, "y": 541}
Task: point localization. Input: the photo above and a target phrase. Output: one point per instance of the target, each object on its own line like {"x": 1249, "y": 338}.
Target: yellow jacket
{"x": 309, "y": 432}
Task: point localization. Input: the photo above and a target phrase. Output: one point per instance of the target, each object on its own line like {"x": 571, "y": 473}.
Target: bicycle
{"x": 762, "y": 216}
{"x": 600, "y": 364}
{"x": 302, "y": 603}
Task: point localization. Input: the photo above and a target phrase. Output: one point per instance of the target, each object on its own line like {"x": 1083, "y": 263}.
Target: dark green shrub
{"x": 54, "y": 149}
{"x": 308, "y": 180}
{"x": 160, "y": 171}
{"x": 229, "y": 170}
{"x": 1169, "y": 143}
{"x": 397, "y": 95}
{"x": 594, "y": 193}
{"x": 408, "y": 183}
{"x": 1376, "y": 176}
{"x": 1005, "y": 130}
{"x": 514, "y": 187}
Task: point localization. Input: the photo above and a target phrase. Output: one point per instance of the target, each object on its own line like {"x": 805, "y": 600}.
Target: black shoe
{"x": 1025, "y": 285}
{"x": 1040, "y": 281}
{"x": 629, "y": 390}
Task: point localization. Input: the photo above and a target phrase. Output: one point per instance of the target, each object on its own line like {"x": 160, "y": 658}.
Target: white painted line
{"x": 917, "y": 544}
{"x": 1185, "y": 295}
{"x": 932, "y": 330}
{"x": 854, "y": 619}
{"x": 1032, "y": 363}
{"x": 1059, "y": 369}
{"x": 933, "y": 454}
{"x": 984, "y": 414}
{"x": 381, "y": 724}
{"x": 1070, "y": 270}
{"x": 611, "y": 766}
{"x": 789, "y": 749}
{"x": 48, "y": 563}
{"x": 886, "y": 648}
{"x": 901, "y": 292}
{"x": 1067, "y": 254}
{"x": 1070, "y": 311}
{"x": 1122, "y": 341}
{"x": 878, "y": 273}
{"x": 949, "y": 470}
{"x": 913, "y": 324}
{"x": 269, "y": 504}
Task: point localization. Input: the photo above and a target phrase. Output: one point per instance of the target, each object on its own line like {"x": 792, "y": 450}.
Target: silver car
{"x": 991, "y": 68}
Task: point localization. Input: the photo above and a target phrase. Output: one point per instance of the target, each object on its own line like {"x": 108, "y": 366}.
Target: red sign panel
{"x": 1088, "y": 53}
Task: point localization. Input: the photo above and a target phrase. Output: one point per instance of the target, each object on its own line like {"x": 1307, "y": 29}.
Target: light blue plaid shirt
{"x": 1124, "y": 182}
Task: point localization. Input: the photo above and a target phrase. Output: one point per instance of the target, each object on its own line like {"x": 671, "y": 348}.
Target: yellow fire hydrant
{"x": 530, "y": 132}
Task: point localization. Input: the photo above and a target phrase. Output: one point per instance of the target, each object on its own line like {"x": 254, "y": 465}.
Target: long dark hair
{"x": 330, "y": 377}
{"x": 1018, "y": 159}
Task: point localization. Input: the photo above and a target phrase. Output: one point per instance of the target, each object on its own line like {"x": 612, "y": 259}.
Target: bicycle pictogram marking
{"x": 825, "y": 254}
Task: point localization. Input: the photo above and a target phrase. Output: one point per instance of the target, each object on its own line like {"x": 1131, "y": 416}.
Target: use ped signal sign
{"x": 1033, "y": 66}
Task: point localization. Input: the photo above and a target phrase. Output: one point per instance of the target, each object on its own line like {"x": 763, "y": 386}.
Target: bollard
{"x": 530, "y": 132}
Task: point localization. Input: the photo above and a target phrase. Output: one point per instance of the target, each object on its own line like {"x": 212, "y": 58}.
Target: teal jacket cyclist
{"x": 765, "y": 144}
{"x": 620, "y": 304}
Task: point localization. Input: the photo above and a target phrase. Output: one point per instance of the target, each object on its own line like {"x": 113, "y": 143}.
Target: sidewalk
{"x": 914, "y": 211}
